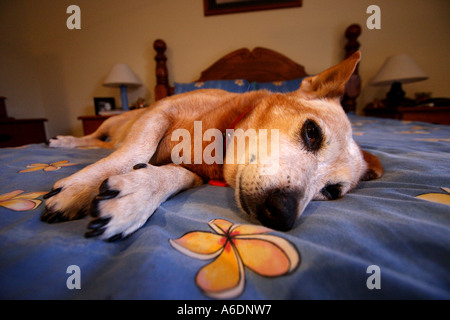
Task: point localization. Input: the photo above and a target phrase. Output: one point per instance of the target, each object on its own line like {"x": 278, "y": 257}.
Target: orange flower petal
{"x": 37, "y": 165}
{"x": 220, "y": 226}
{"x": 51, "y": 168}
{"x": 267, "y": 255}
{"x": 31, "y": 169}
{"x": 10, "y": 195}
{"x": 245, "y": 229}
{"x": 63, "y": 163}
{"x": 224, "y": 277}
{"x": 68, "y": 164}
{"x": 21, "y": 204}
{"x": 58, "y": 163}
{"x": 30, "y": 195}
{"x": 435, "y": 197}
{"x": 199, "y": 244}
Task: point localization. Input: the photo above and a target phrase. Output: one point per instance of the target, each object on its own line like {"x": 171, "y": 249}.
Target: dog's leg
{"x": 115, "y": 128}
{"x": 95, "y": 139}
{"x": 92, "y": 140}
{"x": 71, "y": 197}
{"x": 126, "y": 201}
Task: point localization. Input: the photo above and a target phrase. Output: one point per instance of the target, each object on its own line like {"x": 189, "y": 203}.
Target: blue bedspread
{"x": 385, "y": 239}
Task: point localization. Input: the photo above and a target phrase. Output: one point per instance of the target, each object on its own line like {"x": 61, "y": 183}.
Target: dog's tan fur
{"x": 128, "y": 197}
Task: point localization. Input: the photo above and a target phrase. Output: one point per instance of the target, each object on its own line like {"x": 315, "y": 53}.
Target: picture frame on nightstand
{"x": 104, "y": 104}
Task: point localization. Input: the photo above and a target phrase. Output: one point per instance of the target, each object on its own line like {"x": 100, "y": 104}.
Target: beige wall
{"x": 49, "y": 71}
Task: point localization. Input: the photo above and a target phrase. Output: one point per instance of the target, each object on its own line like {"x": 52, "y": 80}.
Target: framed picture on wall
{"x": 214, "y": 7}
{"x": 104, "y": 105}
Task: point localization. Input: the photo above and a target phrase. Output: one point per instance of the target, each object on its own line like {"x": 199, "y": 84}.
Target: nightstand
{"x": 91, "y": 123}
{"x": 18, "y": 132}
{"x": 437, "y": 114}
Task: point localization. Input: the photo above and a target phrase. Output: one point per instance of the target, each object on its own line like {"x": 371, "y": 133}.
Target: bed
{"x": 387, "y": 239}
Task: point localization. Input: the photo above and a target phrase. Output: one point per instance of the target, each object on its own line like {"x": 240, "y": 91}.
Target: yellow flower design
{"x": 443, "y": 198}
{"x": 239, "y": 82}
{"x": 433, "y": 140}
{"x": 234, "y": 246}
{"x": 48, "y": 167}
{"x": 19, "y": 201}
{"x": 199, "y": 84}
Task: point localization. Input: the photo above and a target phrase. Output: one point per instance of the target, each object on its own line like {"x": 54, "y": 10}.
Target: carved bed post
{"x": 162, "y": 75}
{"x": 353, "y": 88}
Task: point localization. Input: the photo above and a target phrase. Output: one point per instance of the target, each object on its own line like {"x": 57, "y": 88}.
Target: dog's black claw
{"x": 52, "y": 216}
{"x": 116, "y": 237}
{"x": 94, "y": 209}
{"x": 103, "y": 187}
{"x": 45, "y": 216}
{"x": 140, "y": 166}
{"x": 52, "y": 193}
{"x": 110, "y": 194}
{"x": 98, "y": 223}
{"x": 94, "y": 233}
{"x": 105, "y": 193}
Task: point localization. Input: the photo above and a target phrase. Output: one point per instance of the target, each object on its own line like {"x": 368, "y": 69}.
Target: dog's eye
{"x": 312, "y": 135}
{"x": 332, "y": 191}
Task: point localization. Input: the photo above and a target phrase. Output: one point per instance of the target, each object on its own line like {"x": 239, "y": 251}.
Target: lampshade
{"x": 399, "y": 68}
{"x": 121, "y": 75}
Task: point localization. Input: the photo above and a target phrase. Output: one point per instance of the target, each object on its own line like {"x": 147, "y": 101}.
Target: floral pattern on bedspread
{"x": 234, "y": 247}
{"x": 17, "y": 200}
{"x": 443, "y": 198}
{"x": 48, "y": 167}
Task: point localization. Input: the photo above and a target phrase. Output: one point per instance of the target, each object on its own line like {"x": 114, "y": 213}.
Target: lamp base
{"x": 124, "y": 97}
{"x": 395, "y": 96}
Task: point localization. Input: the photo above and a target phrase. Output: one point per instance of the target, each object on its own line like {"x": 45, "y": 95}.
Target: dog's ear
{"x": 331, "y": 82}
{"x": 374, "y": 168}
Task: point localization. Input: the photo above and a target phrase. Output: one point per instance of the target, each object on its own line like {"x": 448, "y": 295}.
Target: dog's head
{"x": 306, "y": 151}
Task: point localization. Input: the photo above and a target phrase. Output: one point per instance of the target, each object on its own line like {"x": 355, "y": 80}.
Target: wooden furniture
{"x": 19, "y": 132}
{"x": 3, "y": 113}
{"x": 91, "y": 123}
{"x": 260, "y": 65}
{"x": 439, "y": 115}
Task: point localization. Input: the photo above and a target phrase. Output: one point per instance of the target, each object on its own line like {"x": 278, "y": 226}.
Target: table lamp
{"x": 122, "y": 76}
{"x": 396, "y": 70}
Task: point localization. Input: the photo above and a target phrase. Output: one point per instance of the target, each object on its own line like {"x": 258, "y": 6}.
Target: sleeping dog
{"x": 314, "y": 152}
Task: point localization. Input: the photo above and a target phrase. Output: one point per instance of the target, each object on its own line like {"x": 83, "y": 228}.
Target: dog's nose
{"x": 280, "y": 209}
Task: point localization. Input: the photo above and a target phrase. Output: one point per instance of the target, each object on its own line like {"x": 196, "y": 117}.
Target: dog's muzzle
{"x": 279, "y": 210}
{"x": 276, "y": 210}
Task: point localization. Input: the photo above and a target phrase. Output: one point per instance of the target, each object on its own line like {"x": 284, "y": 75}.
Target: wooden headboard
{"x": 260, "y": 65}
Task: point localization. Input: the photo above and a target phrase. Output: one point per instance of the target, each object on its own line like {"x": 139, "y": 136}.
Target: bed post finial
{"x": 353, "y": 87}
{"x": 162, "y": 75}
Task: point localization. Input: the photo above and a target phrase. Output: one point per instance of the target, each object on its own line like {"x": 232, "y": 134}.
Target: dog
{"x": 317, "y": 158}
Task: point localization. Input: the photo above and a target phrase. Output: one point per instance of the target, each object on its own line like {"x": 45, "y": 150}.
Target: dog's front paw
{"x": 122, "y": 206}
{"x": 67, "y": 202}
